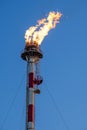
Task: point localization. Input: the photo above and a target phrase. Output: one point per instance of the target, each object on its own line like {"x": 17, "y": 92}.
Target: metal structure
{"x": 32, "y": 54}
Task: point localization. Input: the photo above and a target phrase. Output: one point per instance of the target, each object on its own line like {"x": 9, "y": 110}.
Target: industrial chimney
{"x": 32, "y": 54}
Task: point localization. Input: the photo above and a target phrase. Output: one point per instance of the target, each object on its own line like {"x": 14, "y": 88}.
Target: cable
{"x": 21, "y": 117}
{"x": 57, "y": 109}
{"x": 12, "y": 102}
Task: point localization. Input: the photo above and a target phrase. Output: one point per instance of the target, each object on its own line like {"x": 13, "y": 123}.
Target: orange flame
{"x": 36, "y": 34}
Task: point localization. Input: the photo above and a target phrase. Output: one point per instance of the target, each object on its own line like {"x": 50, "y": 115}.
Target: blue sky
{"x": 62, "y": 104}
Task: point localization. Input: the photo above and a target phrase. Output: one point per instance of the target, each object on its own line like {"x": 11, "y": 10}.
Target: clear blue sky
{"x": 62, "y": 104}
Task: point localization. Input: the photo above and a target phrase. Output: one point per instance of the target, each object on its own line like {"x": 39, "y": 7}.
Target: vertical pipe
{"x": 30, "y": 95}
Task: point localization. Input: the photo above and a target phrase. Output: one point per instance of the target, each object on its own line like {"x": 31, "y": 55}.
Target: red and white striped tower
{"x": 31, "y": 54}
{"x": 30, "y": 96}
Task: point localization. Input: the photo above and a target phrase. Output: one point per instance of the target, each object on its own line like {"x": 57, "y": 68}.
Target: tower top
{"x": 32, "y": 51}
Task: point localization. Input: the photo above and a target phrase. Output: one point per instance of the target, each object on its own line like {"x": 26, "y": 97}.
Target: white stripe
{"x": 31, "y": 67}
{"x": 30, "y": 125}
{"x": 31, "y": 96}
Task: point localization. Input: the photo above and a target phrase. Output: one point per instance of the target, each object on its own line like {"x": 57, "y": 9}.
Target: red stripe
{"x": 31, "y": 80}
{"x": 31, "y": 113}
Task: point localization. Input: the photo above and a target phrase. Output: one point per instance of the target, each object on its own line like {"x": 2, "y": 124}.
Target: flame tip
{"x": 37, "y": 33}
